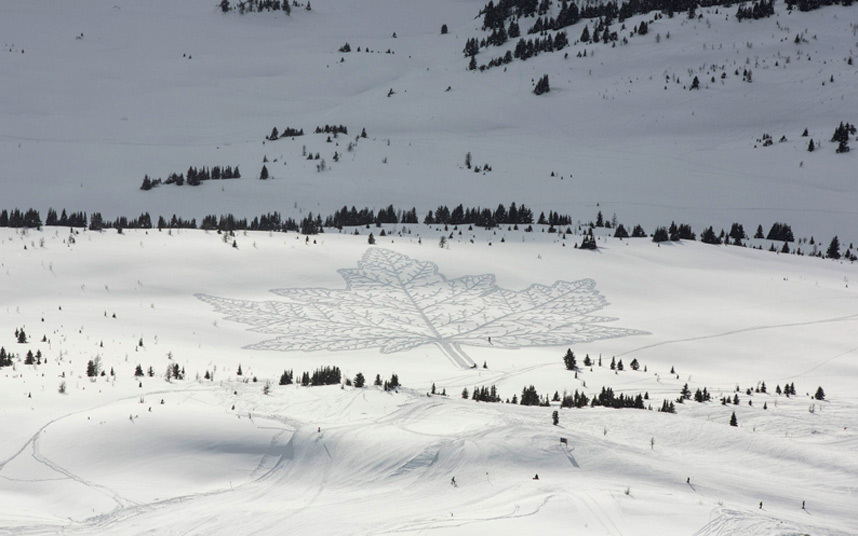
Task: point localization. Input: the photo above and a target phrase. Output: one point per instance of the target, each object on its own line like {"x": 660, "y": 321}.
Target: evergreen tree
{"x": 263, "y": 175}
{"x": 733, "y": 421}
{"x": 833, "y": 249}
{"x": 820, "y": 394}
{"x": 542, "y": 85}
{"x": 555, "y": 417}
{"x": 569, "y": 360}
{"x": 359, "y": 380}
{"x": 138, "y": 371}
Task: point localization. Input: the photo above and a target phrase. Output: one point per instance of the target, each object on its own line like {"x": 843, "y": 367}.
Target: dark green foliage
{"x": 733, "y": 421}
{"x": 21, "y": 336}
{"x": 634, "y": 364}
{"x": 486, "y": 394}
{"x": 667, "y": 407}
{"x": 780, "y": 231}
{"x": 529, "y": 396}
{"x": 638, "y": 232}
{"x": 5, "y": 358}
{"x": 660, "y": 235}
{"x": 542, "y": 85}
{"x": 91, "y": 369}
{"x": 833, "y": 251}
{"x": 709, "y": 237}
{"x": 820, "y": 394}
{"x": 138, "y": 371}
{"x": 325, "y": 376}
{"x": 607, "y": 398}
{"x": 758, "y": 10}
{"x": 287, "y": 377}
{"x": 575, "y": 400}
{"x": 621, "y": 232}
{"x": 589, "y": 241}
{"x": 359, "y": 380}
{"x": 569, "y": 360}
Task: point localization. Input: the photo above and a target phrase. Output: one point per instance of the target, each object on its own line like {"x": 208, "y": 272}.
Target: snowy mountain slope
{"x": 220, "y": 456}
{"x": 153, "y": 89}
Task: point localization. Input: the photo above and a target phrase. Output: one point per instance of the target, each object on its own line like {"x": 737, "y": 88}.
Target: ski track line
{"x": 97, "y": 524}
{"x": 744, "y": 330}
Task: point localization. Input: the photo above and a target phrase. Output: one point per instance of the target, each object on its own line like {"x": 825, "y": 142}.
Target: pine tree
{"x": 359, "y": 381}
{"x": 371, "y": 239}
{"x": 833, "y": 249}
{"x": 263, "y": 175}
{"x": 820, "y": 394}
{"x": 569, "y": 360}
{"x": 733, "y": 421}
{"x": 555, "y": 417}
{"x": 138, "y": 371}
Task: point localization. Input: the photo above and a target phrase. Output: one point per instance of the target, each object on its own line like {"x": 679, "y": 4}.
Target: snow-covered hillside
{"x": 121, "y": 454}
{"x": 100, "y": 94}
{"x": 154, "y": 381}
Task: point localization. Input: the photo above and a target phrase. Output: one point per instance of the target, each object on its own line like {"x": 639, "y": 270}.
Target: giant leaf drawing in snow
{"x": 396, "y": 303}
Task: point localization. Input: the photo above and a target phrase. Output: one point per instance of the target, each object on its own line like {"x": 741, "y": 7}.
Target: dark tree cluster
{"x": 758, "y": 10}
{"x": 841, "y": 136}
{"x": 589, "y": 241}
{"x": 554, "y": 219}
{"x": 332, "y": 129}
{"x": 495, "y": 15}
{"x": 256, "y": 6}
{"x": 322, "y": 376}
{"x": 674, "y": 233}
{"x": 5, "y": 358}
{"x": 484, "y": 394}
{"x": 528, "y": 48}
{"x": 194, "y": 177}
{"x": 16, "y": 219}
{"x": 568, "y": 15}
{"x": 288, "y": 132}
{"x": 481, "y": 217}
{"x": 98, "y": 223}
{"x": 542, "y": 86}
{"x": 351, "y": 217}
{"x": 780, "y": 231}
{"x": 608, "y": 399}
{"x": 529, "y": 397}
{"x": 75, "y": 219}
{"x": 575, "y": 400}
{"x": 287, "y": 378}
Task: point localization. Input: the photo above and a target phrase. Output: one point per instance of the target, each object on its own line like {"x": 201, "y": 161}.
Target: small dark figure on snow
{"x": 453, "y": 482}
{"x": 802, "y": 505}
{"x": 761, "y": 505}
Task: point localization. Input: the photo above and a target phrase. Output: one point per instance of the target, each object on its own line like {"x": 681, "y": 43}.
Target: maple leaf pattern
{"x": 396, "y": 303}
